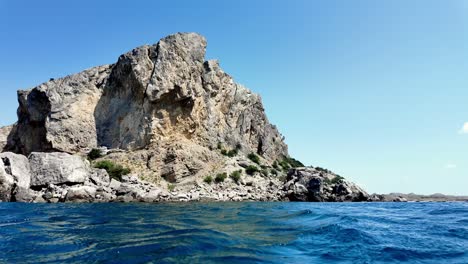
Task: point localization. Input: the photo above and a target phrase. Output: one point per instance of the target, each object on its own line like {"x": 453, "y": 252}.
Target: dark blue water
{"x": 234, "y": 233}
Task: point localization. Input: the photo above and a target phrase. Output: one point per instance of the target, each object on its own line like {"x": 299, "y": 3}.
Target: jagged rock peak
{"x": 163, "y": 100}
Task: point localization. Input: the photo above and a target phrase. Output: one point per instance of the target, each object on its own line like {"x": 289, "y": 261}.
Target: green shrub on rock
{"x": 275, "y": 165}
{"x": 251, "y": 169}
{"x": 337, "y": 180}
{"x": 232, "y": 153}
{"x": 115, "y": 171}
{"x": 208, "y": 179}
{"x": 220, "y": 177}
{"x": 171, "y": 187}
{"x": 288, "y": 163}
{"x": 236, "y": 176}
{"x": 229, "y": 153}
{"x": 253, "y": 157}
{"x": 294, "y": 162}
{"x": 94, "y": 154}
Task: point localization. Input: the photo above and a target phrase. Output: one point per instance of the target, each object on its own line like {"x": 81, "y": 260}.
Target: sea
{"x": 244, "y": 232}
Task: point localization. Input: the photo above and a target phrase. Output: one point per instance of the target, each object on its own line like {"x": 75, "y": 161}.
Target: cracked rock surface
{"x": 163, "y": 111}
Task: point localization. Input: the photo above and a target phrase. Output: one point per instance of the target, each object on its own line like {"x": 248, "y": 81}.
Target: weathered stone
{"x": 163, "y": 98}
{"x": 100, "y": 178}
{"x": 81, "y": 194}
{"x": 57, "y": 168}
{"x": 4, "y": 135}
{"x": 114, "y": 184}
{"x": 6, "y": 184}
{"x": 24, "y": 195}
{"x": 317, "y": 185}
{"x": 151, "y": 196}
{"x": 18, "y": 167}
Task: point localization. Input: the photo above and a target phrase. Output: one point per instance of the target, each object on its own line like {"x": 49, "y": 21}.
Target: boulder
{"x": 100, "y": 177}
{"x": 18, "y": 167}
{"x": 24, "y": 195}
{"x": 81, "y": 194}
{"x": 57, "y": 168}
{"x": 6, "y": 184}
{"x": 151, "y": 196}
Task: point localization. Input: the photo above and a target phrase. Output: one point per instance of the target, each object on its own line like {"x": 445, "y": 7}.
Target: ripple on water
{"x": 234, "y": 232}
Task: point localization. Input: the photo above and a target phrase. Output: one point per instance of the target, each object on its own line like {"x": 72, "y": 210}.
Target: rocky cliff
{"x": 162, "y": 111}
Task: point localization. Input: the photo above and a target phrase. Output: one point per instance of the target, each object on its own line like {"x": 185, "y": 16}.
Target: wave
{"x": 234, "y": 233}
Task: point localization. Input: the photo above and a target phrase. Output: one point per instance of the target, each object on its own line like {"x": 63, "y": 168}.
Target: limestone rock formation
{"x": 320, "y": 185}
{"x": 56, "y": 168}
{"x": 4, "y": 133}
{"x": 173, "y": 118}
{"x": 162, "y": 98}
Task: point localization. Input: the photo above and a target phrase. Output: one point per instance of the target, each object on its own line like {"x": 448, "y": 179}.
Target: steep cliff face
{"x": 163, "y": 103}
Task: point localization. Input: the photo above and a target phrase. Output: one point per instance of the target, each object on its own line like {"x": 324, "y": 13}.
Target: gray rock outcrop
{"x": 57, "y": 168}
{"x": 168, "y": 115}
{"x": 4, "y": 134}
{"x": 319, "y": 185}
{"x": 162, "y": 98}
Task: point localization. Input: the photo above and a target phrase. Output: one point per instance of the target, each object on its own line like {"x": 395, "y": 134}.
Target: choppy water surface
{"x": 234, "y": 233}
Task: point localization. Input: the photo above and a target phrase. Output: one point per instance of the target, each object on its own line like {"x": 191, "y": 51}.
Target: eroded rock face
{"x": 164, "y": 98}
{"x": 18, "y": 167}
{"x": 4, "y": 134}
{"x": 318, "y": 185}
{"x": 6, "y": 184}
{"x": 167, "y": 114}
{"x": 59, "y": 114}
{"x": 57, "y": 168}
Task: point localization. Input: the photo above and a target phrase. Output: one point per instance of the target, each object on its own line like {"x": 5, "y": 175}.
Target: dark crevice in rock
{"x": 31, "y": 133}
{"x": 154, "y": 66}
{"x": 13, "y": 193}
{"x": 7, "y": 164}
{"x": 260, "y": 147}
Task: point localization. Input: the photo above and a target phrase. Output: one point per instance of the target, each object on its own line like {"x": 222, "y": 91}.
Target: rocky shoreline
{"x": 61, "y": 177}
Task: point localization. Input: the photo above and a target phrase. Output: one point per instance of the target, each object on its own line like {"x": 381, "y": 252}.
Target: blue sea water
{"x": 247, "y": 232}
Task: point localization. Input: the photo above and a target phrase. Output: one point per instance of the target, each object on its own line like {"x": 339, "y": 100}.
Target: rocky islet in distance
{"x": 184, "y": 129}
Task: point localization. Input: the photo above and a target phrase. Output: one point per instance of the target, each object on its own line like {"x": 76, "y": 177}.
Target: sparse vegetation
{"x": 208, "y": 179}
{"x": 251, "y": 169}
{"x": 322, "y": 170}
{"x": 229, "y": 153}
{"x": 171, "y": 187}
{"x": 95, "y": 154}
{"x": 236, "y": 176}
{"x": 115, "y": 171}
{"x": 288, "y": 163}
{"x": 337, "y": 180}
{"x": 232, "y": 153}
{"x": 284, "y": 165}
{"x": 275, "y": 165}
{"x": 220, "y": 177}
{"x": 274, "y": 172}
{"x": 253, "y": 157}
{"x": 265, "y": 172}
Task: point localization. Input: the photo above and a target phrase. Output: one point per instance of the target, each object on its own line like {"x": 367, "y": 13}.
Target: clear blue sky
{"x": 374, "y": 90}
